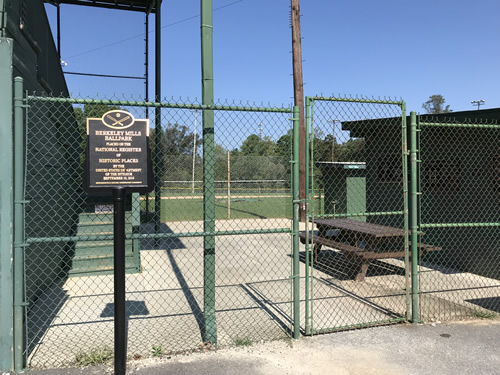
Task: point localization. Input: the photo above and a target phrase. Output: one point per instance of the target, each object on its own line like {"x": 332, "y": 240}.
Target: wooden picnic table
{"x": 360, "y": 242}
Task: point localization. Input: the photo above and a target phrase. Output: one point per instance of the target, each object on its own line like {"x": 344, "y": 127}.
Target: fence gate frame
{"x": 409, "y": 206}
{"x": 418, "y": 193}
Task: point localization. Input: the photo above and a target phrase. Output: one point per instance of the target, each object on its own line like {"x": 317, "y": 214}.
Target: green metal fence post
{"x": 158, "y": 130}
{"x": 6, "y": 206}
{"x": 19, "y": 243}
{"x": 210, "y": 334}
{"x": 413, "y": 219}
{"x": 405, "y": 152}
{"x": 296, "y": 207}
{"x": 309, "y": 205}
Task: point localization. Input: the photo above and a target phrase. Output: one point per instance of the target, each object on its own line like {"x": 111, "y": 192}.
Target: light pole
{"x": 194, "y": 147}
{"x": 478, "y": 103}
{"x": 333, "y": 121}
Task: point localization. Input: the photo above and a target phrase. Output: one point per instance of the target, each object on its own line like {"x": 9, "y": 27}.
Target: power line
{"x": 142, "y": 35}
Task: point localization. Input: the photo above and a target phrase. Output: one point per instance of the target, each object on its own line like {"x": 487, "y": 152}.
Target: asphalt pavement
{"x": 470, "y": 347}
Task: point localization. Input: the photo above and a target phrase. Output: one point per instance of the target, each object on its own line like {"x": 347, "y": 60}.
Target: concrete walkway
{"x": 469, "y": 347}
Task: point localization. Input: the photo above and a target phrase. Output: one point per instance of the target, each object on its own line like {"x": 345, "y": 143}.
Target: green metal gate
{"x": 357, "y": 170}
{"x": 459, "y": 211}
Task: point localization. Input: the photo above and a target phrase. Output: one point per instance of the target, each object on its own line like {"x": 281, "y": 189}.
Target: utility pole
{"x": 478, "y": 103}
{"x": 298, "y": 89}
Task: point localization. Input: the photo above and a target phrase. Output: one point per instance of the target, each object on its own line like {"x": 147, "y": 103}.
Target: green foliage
{"x": 435, "y": 105}
{"x": 157, "y": 350}
{"x": 95, "y": 357}
{"x": 253, "y": 145}
{"x": 284, "y": 145}
{"x": 482, "y": 314}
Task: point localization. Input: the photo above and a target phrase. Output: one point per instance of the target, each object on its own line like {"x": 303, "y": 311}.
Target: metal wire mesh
{"x": 69, "y": 261}
{"x": 356, "y": 185}
{"x": 459, "y": 211}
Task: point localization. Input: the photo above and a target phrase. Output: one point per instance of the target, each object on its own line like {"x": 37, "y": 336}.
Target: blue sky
{"x": 394, "y": 48}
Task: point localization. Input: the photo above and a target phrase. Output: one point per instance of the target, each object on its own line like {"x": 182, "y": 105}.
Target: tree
{"x": 435, "y": 105}
{"x": 253, "y": 145}
{"x": 176, "y": 147}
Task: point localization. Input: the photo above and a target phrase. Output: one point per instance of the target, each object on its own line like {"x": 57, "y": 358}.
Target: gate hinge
{"x": 21, "y": 244}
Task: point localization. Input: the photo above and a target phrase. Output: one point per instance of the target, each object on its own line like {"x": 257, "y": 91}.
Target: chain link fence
{"x": 459, "y": 211}
{"x": 357, "y": 184}
{"x": 171, "y": 305}
{"x": 209, "y": 251}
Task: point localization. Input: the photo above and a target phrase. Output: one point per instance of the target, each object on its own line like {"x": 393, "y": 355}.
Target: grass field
{"x": 241, "y": 208}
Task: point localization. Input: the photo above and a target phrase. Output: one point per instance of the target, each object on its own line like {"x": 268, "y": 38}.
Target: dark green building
{"x": 458, "y": 179}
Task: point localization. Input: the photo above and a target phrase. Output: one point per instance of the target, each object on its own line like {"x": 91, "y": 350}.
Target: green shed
{"x": 344, "y": 186}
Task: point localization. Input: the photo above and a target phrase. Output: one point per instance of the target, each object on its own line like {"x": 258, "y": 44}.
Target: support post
{"x": 307, "y": 273}
{"x": 414, "y": 218}
{"x": 146, "y": 83}
{"x": 119, "y": 280}
{"x": 6, "y": 207}
{"x": 298, "y": 88}
{"x": 210, "y": 334}
{"x": 296, "y": 209}
{"x": 406, "y": 211}
{"x": 19, "y": 243}
{"x": 58, "y": 6}
{"x": 158, "y": 130}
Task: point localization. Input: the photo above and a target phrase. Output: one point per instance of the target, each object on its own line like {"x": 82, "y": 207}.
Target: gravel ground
{"x": 469, "y": 347}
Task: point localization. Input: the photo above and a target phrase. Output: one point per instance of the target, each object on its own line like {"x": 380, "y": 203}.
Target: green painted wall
{"x": 6, "y": 204}
{"x": 53, "y": 151}
{"x": 465, "y": 153}
{"x": 53, "y": 146}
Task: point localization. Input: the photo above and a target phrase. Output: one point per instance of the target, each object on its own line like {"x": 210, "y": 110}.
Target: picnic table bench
{"x": 361, "y": 242}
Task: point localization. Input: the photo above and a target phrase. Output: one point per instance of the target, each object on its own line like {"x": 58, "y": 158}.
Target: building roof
{"x": 492, "y": 115}
{"x": 146, "y": 6}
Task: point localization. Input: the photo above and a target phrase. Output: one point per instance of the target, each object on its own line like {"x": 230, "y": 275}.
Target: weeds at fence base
{"x": 243, "y": 341}
{"x": 157, "y": 350}
{"x": 97, "y": 356}
{"x": 491, "y": 315}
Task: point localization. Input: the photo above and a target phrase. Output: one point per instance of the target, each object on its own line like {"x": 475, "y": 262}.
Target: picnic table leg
{"x": 363, "y": 268}
{"x": 316, "y": 250}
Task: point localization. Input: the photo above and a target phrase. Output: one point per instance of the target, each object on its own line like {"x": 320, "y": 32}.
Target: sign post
{"x": 118, "y": 159}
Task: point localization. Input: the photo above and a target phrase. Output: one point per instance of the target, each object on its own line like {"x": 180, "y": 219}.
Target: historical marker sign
{"x": 118, "y": 153}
